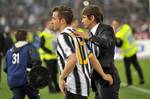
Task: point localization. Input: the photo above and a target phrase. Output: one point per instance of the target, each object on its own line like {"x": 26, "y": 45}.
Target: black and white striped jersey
{"x": 78, "y": 81}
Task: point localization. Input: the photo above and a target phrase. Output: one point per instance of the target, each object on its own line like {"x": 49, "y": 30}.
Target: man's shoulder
{"x": 65, "y": 34}
{"x": 103, "y": 28}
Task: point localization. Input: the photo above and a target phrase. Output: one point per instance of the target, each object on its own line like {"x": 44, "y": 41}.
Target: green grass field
{"x": 133, "y": 92}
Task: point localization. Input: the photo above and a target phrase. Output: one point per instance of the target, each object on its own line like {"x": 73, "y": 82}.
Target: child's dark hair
{"x": 21, "y": 35}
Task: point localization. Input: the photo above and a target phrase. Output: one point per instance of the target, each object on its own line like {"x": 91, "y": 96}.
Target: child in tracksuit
{"x": 21, "y": 57}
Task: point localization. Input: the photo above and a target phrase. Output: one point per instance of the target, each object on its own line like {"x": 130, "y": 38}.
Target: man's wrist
{"x": 104, "y": 77}
{"x": 61, "y": 77}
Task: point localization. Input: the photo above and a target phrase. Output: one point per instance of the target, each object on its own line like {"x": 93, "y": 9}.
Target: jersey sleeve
{"x": 66, "y": 44}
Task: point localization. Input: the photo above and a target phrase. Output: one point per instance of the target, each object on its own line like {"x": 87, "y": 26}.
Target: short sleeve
{"x": 65, "y": 44}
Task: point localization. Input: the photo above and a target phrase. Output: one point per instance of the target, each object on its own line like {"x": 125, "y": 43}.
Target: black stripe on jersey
{"x": 95, "y": 49}
{"x": 81, "y": 49}
{"x": 87, "y": 68}
{"x": 87, "y": 79}
{"x": 71, "y": 36}
{"x": 77, "y": 80}
{"x": 61, "y": 60}
{"x": 71, "y": 30}
{"x": 68, "y": 42}
{"x": 72, "y": 40}
{"x": 61, "y": 48}
{"x": 88, "y": 45}
{"x": 91, "y": 46}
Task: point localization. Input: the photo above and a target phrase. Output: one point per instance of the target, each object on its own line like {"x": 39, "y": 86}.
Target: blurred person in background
{"x": 101, "y": 40}
{"x": 21, "y": 57}
{"x": 36, "y": 38}
{"x": 8, "y": 41}
{"x": 48, "y": 54}
{"x": 145, "y": 26}
{"x": 126, "y": 42}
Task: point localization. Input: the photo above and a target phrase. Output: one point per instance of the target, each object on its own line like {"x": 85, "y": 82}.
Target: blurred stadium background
{"x": 29, "y": 14}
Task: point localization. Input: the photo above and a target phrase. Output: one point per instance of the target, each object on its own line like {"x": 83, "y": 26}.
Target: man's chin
{"x": 84, "y": 26}
{"x": 55, "y": 29}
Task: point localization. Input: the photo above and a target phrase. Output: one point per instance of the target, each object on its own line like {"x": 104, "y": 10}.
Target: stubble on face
{"x": 86, "y": 22}
{"x": 55, "y": 21}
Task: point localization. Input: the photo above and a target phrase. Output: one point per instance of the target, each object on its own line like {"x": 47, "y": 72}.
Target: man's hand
{"x": 81, "y": 35}
{"x": 108, "y": 78}
{"x": 62, "y": 85}
{"x": 68, "y": 68}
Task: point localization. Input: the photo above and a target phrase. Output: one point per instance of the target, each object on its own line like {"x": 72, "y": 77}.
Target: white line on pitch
{"x": 136, "y": 88}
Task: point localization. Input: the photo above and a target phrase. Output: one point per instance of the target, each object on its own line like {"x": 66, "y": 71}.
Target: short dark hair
{"x": 64, "y": 12}
{"x": 117, "y": 19}
{"x": 95, "y": 11}
{"x": 21, "y": 35}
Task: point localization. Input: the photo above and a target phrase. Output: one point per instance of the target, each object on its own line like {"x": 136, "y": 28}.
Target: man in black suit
{"x": 101, "y": 40}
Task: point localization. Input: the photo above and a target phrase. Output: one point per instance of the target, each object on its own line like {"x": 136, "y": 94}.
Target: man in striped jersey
{"x": 74, "y": 57}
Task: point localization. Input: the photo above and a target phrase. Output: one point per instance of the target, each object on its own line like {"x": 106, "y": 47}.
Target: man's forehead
{"x": 84, "y": 16}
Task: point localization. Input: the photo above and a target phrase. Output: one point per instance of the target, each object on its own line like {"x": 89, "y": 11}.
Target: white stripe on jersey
{"x": 95, "y": 49}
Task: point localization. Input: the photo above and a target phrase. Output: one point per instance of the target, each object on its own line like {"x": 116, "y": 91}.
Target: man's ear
{"x": 92, "y": 18}
{"x": 62, "y": 21}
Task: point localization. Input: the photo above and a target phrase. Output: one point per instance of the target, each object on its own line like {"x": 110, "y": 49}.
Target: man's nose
{"x": 82, "y": 21}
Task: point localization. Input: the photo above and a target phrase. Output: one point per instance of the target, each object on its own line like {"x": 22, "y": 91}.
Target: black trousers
{"x": 127, "y": 62}
{"x": 52, "y": 68}
{"x": 20, "y": 92}
{"x": 74, "y": 96}
{"x": 106, "y": 91}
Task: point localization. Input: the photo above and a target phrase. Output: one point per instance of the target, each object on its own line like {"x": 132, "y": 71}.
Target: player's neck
{"x": 63, "y": 27}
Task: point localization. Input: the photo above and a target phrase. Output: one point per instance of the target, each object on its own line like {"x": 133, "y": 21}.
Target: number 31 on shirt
{"x": 15, "y": 58}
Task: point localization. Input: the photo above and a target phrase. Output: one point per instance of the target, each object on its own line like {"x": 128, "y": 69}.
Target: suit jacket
{"x": 104, "y": 38}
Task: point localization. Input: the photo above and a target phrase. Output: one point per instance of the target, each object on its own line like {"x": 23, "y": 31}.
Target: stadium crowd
{"x": 30, "y": 13}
